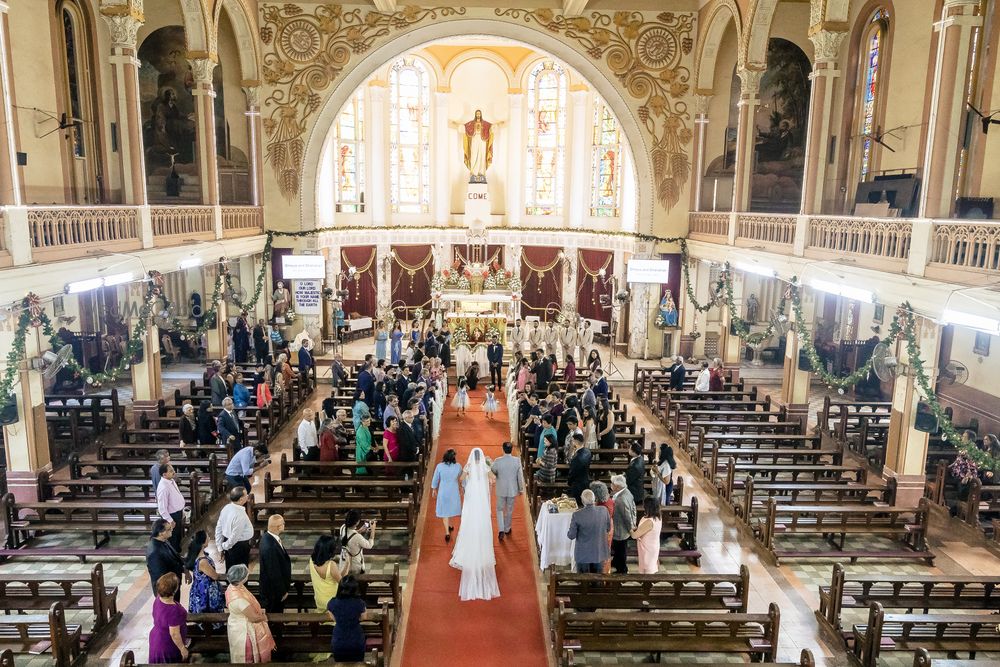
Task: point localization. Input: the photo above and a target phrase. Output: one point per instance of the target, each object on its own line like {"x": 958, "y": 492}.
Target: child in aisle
{"x": 490, "y": 406}
{"x": 461, "y": 400}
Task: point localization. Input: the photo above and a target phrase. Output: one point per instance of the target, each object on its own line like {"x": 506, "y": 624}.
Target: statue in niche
{"x": 753, "y": 306}
{"x": 477, "y": 146}
{"x": 281, "y": 300}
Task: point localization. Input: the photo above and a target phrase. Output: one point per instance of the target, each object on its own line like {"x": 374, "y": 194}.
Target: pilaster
{"x": 204, "y": 103}
{"x": 515, "y": 160}
{"x": 442, "y": 138}
{"x": 827, "y": 48}
{"x": 11, "y": 192}
{"x": 124, "y": 22}
{"x": 795, "y": 382}
{"x": 578, "y": 190}
{"x": 746, "y": 135}
{"x": 26, "y": 442}
{"x": 254, "y": 127}
{"x": 376, "y": 162}
{"x": 701, "y": 103}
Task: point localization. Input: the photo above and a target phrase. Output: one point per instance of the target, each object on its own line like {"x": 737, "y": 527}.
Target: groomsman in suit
{"x": 551, "y": 338}
{"x": 535, "y": 337}
{"x": 567, "y": 339}
{"x": 510, "y": 484}
{"x": 275, "y": 567}
{"x": 584, "y": 341}
{"x": 517, "y": 336}
{"x": 494, "y": 354}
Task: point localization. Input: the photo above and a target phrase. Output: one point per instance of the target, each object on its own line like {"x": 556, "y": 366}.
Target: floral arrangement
{"x": 387, "y": 316}
{"x": 418, "y": 314}
{"x": 499, "y": 278}
{"x": 493, "y": 332}
{"x": 460, "y": 336}
{"x": 449, "y": 279}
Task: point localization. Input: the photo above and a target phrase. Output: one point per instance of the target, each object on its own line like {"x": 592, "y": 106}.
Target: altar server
{"x": 535, "y": 336}
{"x": 551, "y": 338}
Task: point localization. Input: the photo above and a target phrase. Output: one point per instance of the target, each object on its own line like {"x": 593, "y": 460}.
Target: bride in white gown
{"x": 473, "y": 553}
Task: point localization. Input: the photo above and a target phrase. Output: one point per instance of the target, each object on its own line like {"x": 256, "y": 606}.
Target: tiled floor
{"x": 723, "y": 544}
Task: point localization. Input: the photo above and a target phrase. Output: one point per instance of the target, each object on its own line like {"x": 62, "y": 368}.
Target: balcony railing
{"x": 765, "y": 228}
{"x": 50, "y": 233}
{"x": 61, "y": 232}
{"x": 964, "y": 251}
{"x": 709, "y": 224}
{"x": 242, "y": 220}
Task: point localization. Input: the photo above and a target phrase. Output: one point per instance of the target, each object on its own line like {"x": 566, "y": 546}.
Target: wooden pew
{"x": 752, "y": 503}
{"x": 840, "y": 411}
{"x": 921, "y": 658}
{"x": 905, "y": 592}
{"x": 375, "y": 589}
{"x": 805, "y": 660}
{"x": 981, "y": 507}
{"x": 352, "y": 488}
{"x": 660, "y": 592}
{"x": 21, "y": 521}
{"x": 735, "y": 473}
{"x": 37, "y": 591}
{"x": 103, "y": 403}
{"x": 764, "y": 455}
{"x": 755, "y": 635}
{"x": 349, "y": 468}
{"x": 209, "y": 469}
{"x": 43, "y": 633}
{"x": 908, "y": 526}
{"x": 934, "y": 632}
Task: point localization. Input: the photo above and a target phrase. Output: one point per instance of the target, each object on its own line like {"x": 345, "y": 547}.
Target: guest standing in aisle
{"x": 444, "y": 489}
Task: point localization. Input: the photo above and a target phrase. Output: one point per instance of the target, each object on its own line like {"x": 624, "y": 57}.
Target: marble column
{"x": 204, "y": 110}
{"x": 569, "y": 272}
{"x": 827, "y": 48}
{"x": 147, "y": 380}
{"x": 443, "y": 135}
{"x": 906, "y": 447}
{"x": 26, "y": 442}
{"x": 512, "y": 260}
{"x": 746, "y": 135}
{"x": 254, "y": 135}
{"x": 795, "y": 382}
{"x": 642, "y": 303}
{"x": 951, "y": 73}
{"x": 124, "y": 22}
{"x": 376, "y": 156}
{"x": 701, "y": 130}
{"x": 383, "y": 268}
{"x": 515, "y": 160}
{"x": 729, "y": 343}
{"x": 687, "y": 310}
{"x": 10, "y": 178}
{"x": 578, "y": 185}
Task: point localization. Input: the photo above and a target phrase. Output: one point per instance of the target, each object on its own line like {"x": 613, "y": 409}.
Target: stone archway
{"x": 725, "y": 11}
{"x": 423, "y": 35}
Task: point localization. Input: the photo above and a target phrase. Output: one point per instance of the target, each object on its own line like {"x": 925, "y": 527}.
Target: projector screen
{"x": 303, "y": 267}
{"x": 651, "y": 271}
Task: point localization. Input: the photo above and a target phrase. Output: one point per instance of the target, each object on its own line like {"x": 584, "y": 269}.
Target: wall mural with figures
{"x": 647, "y": 56}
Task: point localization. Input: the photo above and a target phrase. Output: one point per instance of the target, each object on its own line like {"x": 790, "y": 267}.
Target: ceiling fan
{"x": 65, "y": 121}
{"x": 986, "y": 120}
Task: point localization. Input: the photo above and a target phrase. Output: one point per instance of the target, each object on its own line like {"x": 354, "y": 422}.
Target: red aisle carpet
{"x": 441, "y": 629}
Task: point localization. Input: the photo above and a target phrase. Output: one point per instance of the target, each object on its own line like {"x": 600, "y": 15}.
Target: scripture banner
{"x": 308, "y": 297}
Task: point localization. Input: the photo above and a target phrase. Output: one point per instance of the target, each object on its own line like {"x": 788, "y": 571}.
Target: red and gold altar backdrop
{"x": 541, "y": 280}
{"x": 364, "y": 288}
{"x": 411, "y": 275}
{"x": 589, "y": 286}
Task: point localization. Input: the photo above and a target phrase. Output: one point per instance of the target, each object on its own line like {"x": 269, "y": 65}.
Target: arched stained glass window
{"x": 546, "y": 140}
{"x": 606, "y": 163}
{"x": 409, "y": 151}
{"x": 349, "y": 147}
{"x": 872, "y": 54}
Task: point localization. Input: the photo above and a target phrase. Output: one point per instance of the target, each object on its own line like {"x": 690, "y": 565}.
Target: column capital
{"x": 827, "y": 45}
{"x": 202, "y": 69}
{"x": 131, "y": 8}
{"x": 750, "y": 81}
{"x": 4, "y": 6}
{"x": 253, "y": 96}
{"x": 701, "y": 104}
{"x": 124, "y": 29}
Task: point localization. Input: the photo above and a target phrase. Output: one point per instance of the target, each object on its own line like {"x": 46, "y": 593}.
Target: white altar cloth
{"x": 551, "y": 530}
{"x": 465, "y": 354}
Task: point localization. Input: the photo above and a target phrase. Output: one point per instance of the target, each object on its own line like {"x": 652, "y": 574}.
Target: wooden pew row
{"x": 953, "y": 633}
{"x": 100, "y": 489}
{"x": 751, "y": 503}
{"x": 104, "y": 404}
{"x": 43, "y": 633}
{"x": 735, "y": 473}
{"x": 375, "y": 589}
{"x": 922, "y": 658}
{"x": 22, "y": 521}
{"x": 754, "y": 635}
{"x": 647, "y": 592}
{"x": 907, "y": 526}
{"x": 349, "y": 468}
{"x": 805, "y": 660}
{"x": 210, "y": 469}
{"x": 539, "y": 492}
{"x": 904, "y": 592}
{"x": 836, "y": 411}
{"x": 36, "y": 592}
{"x": 982, "y": 508}
{"x": 353, "y": 489}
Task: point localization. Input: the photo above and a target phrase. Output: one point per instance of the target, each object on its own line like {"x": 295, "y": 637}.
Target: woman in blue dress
{"x": 381, "y": 337}
{"x": 415, "y": 332}
{"x": 206, "y": 591}
{"x": 444, "y": 487}
{"x": 396, "y": 344}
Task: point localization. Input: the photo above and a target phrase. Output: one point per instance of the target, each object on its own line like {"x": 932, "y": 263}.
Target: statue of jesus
{"x": 477, "y": 144}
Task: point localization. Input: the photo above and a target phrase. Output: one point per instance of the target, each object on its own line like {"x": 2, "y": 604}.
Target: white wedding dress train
{"x": 473, "y": 553}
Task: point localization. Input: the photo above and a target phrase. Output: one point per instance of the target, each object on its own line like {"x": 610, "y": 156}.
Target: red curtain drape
{"x": 537, "y": 293}
{"x": 588, "y": 288}
{"x": 364, "y": 288}
{"x": 413, "y": 290}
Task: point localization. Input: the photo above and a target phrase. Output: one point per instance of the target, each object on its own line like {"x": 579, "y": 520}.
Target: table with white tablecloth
{"x": 360, "y": 324}
{"x": 551, "y": 530}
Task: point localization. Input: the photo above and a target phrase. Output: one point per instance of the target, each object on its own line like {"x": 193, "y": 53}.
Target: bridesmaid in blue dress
{"x": 415, "y": 332}
{"x": 381, "y": 337}
{"x": 396, "y": 344}
{"x": 445, "y": 489}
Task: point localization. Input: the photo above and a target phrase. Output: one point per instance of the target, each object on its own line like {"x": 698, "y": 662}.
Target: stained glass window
{"x": 606, "y": 163}
{"x": 409, "y": 150}
{"x": 872, "y": 51}
{"x": 546, "y": 140}
{"x": 349, "y": 152}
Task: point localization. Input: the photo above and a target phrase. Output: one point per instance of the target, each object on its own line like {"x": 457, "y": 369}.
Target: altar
{"x": 478, "y": 328}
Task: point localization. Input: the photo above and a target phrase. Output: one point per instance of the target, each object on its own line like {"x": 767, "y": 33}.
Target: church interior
{"x": 712, "y": 284}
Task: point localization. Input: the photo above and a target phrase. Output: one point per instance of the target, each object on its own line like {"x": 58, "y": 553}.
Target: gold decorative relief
{"x": 649, "y": 59}
{"x": 305, "y": 53}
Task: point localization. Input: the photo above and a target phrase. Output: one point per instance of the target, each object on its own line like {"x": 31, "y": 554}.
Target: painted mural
{"x": 168, "y": 112}
{"x": 779, "y": 154}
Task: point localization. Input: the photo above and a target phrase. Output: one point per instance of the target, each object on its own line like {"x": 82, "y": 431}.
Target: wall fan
{"x": 885, "y": 364}
{"x": 51, "y": 362}
{"x": 953, "y": 372}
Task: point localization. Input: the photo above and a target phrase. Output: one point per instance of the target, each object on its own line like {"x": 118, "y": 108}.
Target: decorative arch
{"x": 405, "y": 42}
{"x": 434, "y": 71}
{"x": 246, "y": 36}
{"x": 476, "y": 54}
{"x": 198, "y": 28}
{"x": 753, "y": 51}
{"x": 718, "y": 21}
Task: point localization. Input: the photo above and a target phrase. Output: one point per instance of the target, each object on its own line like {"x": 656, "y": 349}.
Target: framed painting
{"x": 982, "y": 344}
{"x": 879, "y": 316}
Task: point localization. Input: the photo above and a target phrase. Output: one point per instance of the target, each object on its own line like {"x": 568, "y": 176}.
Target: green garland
{"x": 259, "y": 282}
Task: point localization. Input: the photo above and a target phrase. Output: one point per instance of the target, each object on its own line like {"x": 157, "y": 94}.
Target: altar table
{"x": 551, "y": 529}
{"x": 480, "y": 324}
